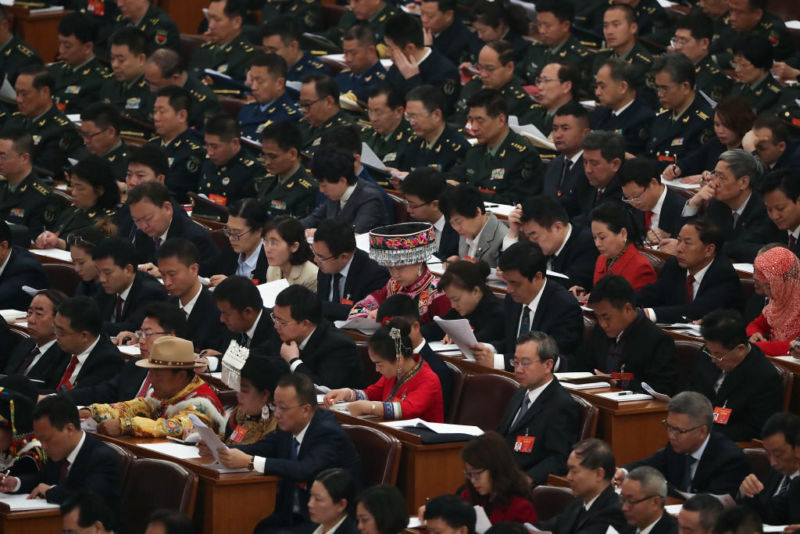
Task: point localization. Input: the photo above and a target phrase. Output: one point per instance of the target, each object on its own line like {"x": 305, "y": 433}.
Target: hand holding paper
{"x": 460, "y": 333}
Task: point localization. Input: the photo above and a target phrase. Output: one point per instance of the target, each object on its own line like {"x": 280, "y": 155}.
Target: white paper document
{"x": 208, "y": 436}
{"x": 438, "y": 346}
{"x": 414, "y": 522}
{"x": 460, "y": 331}
{"x": 362, "y": 324}
{"x": 773, "y": 528}
{"x": 792, "y": 25}
{"x": 369, "y": 157}
{"x": 503, "y": 210}
{"x": 587, "y": 385}
{"x": 625, "y": 396}
{"x": 744, "y": 267}
{"x": 130, "y": 350}
{"x": 673, "y": 509}
{"x": 12, "y": 315}
{"x": 89, "y": 425}
{"x": 22, "y": 502}
{"x": 482, "y": 523}
{"x": 55, "y": 253}
{"x": 362, "y": 241}
{"x": 7, "y": 92}
{"x": 269, "y": 291}
{"x": 176, "y": 450}
{"x": 439, "y": 428}
{"x": 28, "y": 290}
{"x": 656, "y": 395}
{"x": 534, "y": 135}
{"x": 575, "y": 375}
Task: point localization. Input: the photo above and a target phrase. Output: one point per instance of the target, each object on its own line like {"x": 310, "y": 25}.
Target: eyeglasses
{"x": 523, "y": 363}
{"x": 708, "y": 353}
{"x": 678, "y": 42}
{"x": 416, "y": 206}
{"x": 307, "y": 105}
{"x": 278, "y": 321}
{"x": 472, "y": 475}
{"x": 634, "y": 199}
{"x": 85, "y": 135}
{"x": 543, "y": 79}
{"x": 284, "y": 409}
{"x": 626, "y": 501}
{"x": 412, "y": 117}
{"x": 675, "y": 430}
{"x": 141, "y": 334}
{"x": 322, "y": 258}
{"x": 234, "y": 237}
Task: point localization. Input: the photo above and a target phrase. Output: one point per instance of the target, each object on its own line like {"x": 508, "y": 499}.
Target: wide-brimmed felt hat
{"x": 402, "y": 244}
{"x": 170, "y": 352}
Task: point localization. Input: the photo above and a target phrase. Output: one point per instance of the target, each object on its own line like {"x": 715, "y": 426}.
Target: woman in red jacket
{"x": 407, "y": 389}
{"x": 495, "y": 482}
{"x": 778, "y": 272}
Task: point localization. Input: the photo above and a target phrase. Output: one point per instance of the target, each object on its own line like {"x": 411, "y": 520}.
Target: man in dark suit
{"x": 742, "y": 384}
{"x": 657, "y": 206}
{"x": 18, "y": 268}
{"x": 624, "y": 344}
{"x": 697, "y": 280}
{"x": 349, "y": 199}
{"x": 596, "y": 506}
{"x": 157, "y": 218}
{"x": 642, "y": 495}
{"x": 179, "y": 264}
{"x": 532, "y": 303}
{"x": 570, "y": 126}
{"x": 40, "y": 358}
{"x": 569, "y": 248}
{"x": 93, "y": 358}
{"x": 310, "y": 344}
{"x": 126, "y": 290}
{"x": 695, "y": 460}
{"x": 781, "y": 192}
{"x": 542, "y": 422}
{"x": 307, "y": 441}
{"x": 161, "y": 319}
{"x": 242, "y": 311}
{"x": 770, "y": 497}
{"x": 422, "y": 189}
{"x": 346, "y": 274}
{"x": 75, "y": 460}
{"x": 730, "y": 201}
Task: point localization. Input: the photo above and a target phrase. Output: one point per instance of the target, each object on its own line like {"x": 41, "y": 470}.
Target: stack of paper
{"x": 55, "y": 253}
{"x": 575, "y": 375}
{"x": 587, "y": 385}
{"x": 439, "y": 428}
{"x": 12, "y": 315}
{"x": 625, "y": 396}
{"x": 460, "y": 331}
{"x": 362, "y": 324}
{"x": 176, "y": 450}
{"x": 534, "y": 135}
{"x": 269, "y": 291}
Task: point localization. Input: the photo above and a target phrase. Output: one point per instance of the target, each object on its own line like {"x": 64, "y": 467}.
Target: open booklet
{"x": 439, "y": 428}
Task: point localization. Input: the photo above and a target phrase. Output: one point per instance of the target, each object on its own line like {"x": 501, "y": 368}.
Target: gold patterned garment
{"x": 246, "y": 429}
{"x": 158, "y": 418}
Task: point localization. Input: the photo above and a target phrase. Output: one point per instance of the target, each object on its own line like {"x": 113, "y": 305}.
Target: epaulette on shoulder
{"x": 247, "y": 47}
{"x": 198, "y": 95}
{"x": 663, "y": 111}
{"x": 40, "y": 188}
{"x": 700, "y": 113}
{"x": 208, "y": 44}
{"x": 644, "y": 58}
{"x": 155, "y": 138}
{"x": 774, "y": 87}
{"x": 305, "y": 183}
{"x": 61, "y": 121}
{"x": 23, "y": 49}
{"x": 518, "y": 147}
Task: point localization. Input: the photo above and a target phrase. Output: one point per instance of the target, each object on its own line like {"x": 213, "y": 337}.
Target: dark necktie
{"x": 597, "y": 196}
{"x": 62, "y": 473}
{"x": 687, "y": 473}
{"x": 28, "y": 360}
{"x": 525, "y": 323}
{"x": 118, "y": 309}
{"x": 689, "y": 288}
{"x": 784, "y": 485}
{"x": 614, "y": 357}
{"x": 295, "y": 448}
{"x": 337, "y": 293}
{"x": 523, "y": 409}
{"x": 735, "y": 217}
{"x": 565, "y": 164}
{"x": 157, "y": 243}
{"x": 792, "y": 242}
{"x": 244, "y": 340}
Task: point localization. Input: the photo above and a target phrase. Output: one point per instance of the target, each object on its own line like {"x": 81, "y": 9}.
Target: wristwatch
{"x": 251, "y": 466}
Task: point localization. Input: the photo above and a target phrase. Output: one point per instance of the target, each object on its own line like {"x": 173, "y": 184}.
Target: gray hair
{"x": 652, "y": 481}
{"x": 743, "y": 163}
{"x": 547, "y": 348}
{"x": 695, "y": 405}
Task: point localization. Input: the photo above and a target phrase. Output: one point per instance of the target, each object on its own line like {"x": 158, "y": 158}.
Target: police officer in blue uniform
{"x": 267, "y": 82}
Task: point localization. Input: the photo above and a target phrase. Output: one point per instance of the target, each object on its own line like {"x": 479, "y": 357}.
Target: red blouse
{"x": 777, "y": 347}
{"x": 517, "y": 510}
{"x": 632, "y": 266}
{"x": 420, "y": 396}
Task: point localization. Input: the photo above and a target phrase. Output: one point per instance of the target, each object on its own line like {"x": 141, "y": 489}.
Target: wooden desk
{"x": 226, "y": 502}
{"x": 39, "y": 30}
{"x": 426, "y": 470}
{"x": 30, "y": 521}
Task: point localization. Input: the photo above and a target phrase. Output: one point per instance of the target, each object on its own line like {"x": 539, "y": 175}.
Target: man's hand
{"x": 125, "y": 338}
{"x": 671, "y": 172}
{"x": 205, "y": 452}
{"x": 407, "y": 66}
{"x": 483, "y": 354}
{"x": 703, "y": 196}
{"x": 784, "y": 72}
{"x": 427, "y": 36}
{"x": 215, "y": 280}
{"x": 751, "y": 486}
{"x": 110, "y": 427}
{"x": 290, "y": 351}
{"x": 150, "y": 269}
{"x": 619, "y": 476}
{"x": 233, "y": 458}
{"x": 515, "y": 221}
{"x": 39, "y": 491}
{"x": 8, "y": 483}
{"x": 668, "y": 246}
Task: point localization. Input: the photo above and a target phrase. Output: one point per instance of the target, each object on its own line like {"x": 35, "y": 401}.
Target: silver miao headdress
{"x": 402, "y": 244}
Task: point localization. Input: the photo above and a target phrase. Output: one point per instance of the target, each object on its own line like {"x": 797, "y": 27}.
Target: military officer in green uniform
{"x": 557, "y": 85}
{"x": 685, "y": 121}
{"x": 389, "y": 133}
{"x": 128, "y": 91}
{"x": 753, "y": 59}
{"x": 99, "y": 129}
{"x": 496, "y": 65}
{"x": 693, "y": 35}
{"x": 319, "y": 104}
{"x": 54, "y": 136}
{"x": 374, "y": 13}
{"x": 307, "y": 12}
{"x": 750, "y": 17}
{"x": 652, "y": 19}
{"x": 79, "y": 75}
{"x": 287, "y": 189}
{"x": 14, "y": 52}
{"x": 164, "y": 68}
{"x": 161, "y": 31}
{"x": 23, "y": 198}
{"x": 227, "y": 52}
{"x": 504, "y": 166}
{"x": 436, "y": 144}
{"x": 182, "y": 145}
{"x": 556, "y": 42}
{"x": 282, "y": 37}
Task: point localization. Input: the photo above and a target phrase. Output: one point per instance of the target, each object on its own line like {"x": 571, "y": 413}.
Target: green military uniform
{"x": 54, "y": 138}
{"x": 518, "y": 102}
{"x": 507, "y": 174}
{"x": 77, "y": 87}
{"x": 185, "y": 155}
{"x": 376, "y": 23}
{"x": 29, "y": 203}
{"x": 72, "y": 219}
{"x": 232, "y": 59}
{"x": 570, "y": 52}
{"x": 307, "y": 12}
{"x": 313, "y": 134}
{"x": 540, "y": 117}
{"x": 230, "y": 182}
{"x": 15, "y": 54}
{"x": 710, "y": 79}
{"x": 117, "y": 159}
{"x": 159, "y": 28}
{"x": 770, "y": 26}
{"x": 389, "y": 147}
{"x": 674, "y": 137}
{"x": 642, "y": 62}
{"x": 205, "y": 103}
{"x": 448, "y": 150}
{"x": 764, "y": 94}
{"x": 134, "y": 100}
{"x": 788, "y": 108}
{"x": 296, "y": 195}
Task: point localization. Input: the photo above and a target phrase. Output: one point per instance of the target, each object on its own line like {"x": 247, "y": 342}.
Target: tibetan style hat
{"x": 402, "y": 244}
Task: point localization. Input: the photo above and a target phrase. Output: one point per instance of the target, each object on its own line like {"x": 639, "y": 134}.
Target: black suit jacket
{"x": 721, "y": 468}
{"x": 363, "y": 277}
{"x": 265, "y": 339}
{"x": 103, "y": 362}
{"x": 580, "y": 202}
{"x": 720, "y": 288}
{"x": 145, "y": 289}
{"x": 22, "y": 269}
{"x": 119, "y": 388}
{"x": 438, "y": 366}
{"x": 325, "y": 445}
{"x": 671, "y": 219}
{"x": 557, "y": 314}
{"x": 666, "y": 525}
{"x": 753, "y": 390}
{"x": 203, "y": 325}
{"x": 576, "y": 259}
{"x": 782, "y": 509}
{"x": 181, "y": 226}
{"x": 330, "y": 358}
{"x": 487, "y": 320}
{"x": 766, "y": 503}
{"x": 605, "y": 511}
{"x": 229, "y": 261}
{"x": 364, "y": 210}
{"x": 554, "y": 420}
{"x": 553, "y": 186}
{"x": 448, "y": 243}
{"x": 753, "y": 230}
{"x": 647, "y": 351}
{"x": 49, "y": 369}
{"x": 96, "y": 468}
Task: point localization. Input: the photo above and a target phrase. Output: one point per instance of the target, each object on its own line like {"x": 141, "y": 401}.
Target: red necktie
{"x": 689, "y": 288}
{"x": 648, "y": 219}
{"x": 65, "y": 383}
{"x": 145, "y": 386}
{"x": 62, "y": 473}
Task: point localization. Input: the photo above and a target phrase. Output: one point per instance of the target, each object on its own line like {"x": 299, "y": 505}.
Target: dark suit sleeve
{"x": 103, "y": 478}
{"x": 657, "y": 461}
{"x": 660, "y": 367}
{"x": 315, "y": 217}
{"x": 335, "y": 366}
{"x": 369, "y": 214}
{"x": 105, "y": 392}
{"x": 322, "y": 452}
{"x": 562, "y": 433}
{"x": 266, "y": 447}
{"x": 20, "y": 273}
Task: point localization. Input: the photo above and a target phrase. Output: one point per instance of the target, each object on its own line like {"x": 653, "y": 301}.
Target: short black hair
{"x": 614, "y": 289}
{"x": 83, "y": 315}
{"x": 240, "y": 293}
{"x": 394, "y": 98}
{"x": 453, "y": 510}
{"x": 284, "y": 27}
{"x": 785, "y": 423}
{"x": 285, "y": 134}
{"x": 503, "y": 49}
{"x": 95, "y": 171}
{"x": 491, "y": 100}
{"x": 387, "y": 506}
{"x": 610, "y": 144}
{"x": 41, "y": 76}
{"x": 544, "y": 210}
{"x": 174, "y": 522}
{"x": 710, "y": 233}
{"x": 103, "y": 115}
{"x": 155, "y": 192}
{"x": 679, "y": 67}
{"x": 59, "y": 410}
{"x": 264, "y": 372}
{"x": 739, "y": 520}
{"x": 726, "y": 327}
{"x": 224, "y": 126}
{"x": 563, "y": 10}
{"x": 466, "y": 275}
{"x": 630, "y": 13}
{"x": 432, "y": 98}
{"x": 340, "y": 486}
{"x": 82, "y": 27}
{"x": 303, "y": 385}
{"x": 427, "y": 183}
{"x": 781, "y": 180}
{"x": 275, "y": 64}
{"x": 399, "y": 305}
{"x": 638, "y": 170}
{"x": 755, "y": 49}
{"x": 169, "y": 316}
{"x": 21, "y": 139}
{"x": 776, "y": 125}
{"x": 700, "y": 26}
{"x": 404, "y": 29}
{"x": 621, "y": 71}
{"x": 121, "y": 251}
{"x": 291, "y": 230}
{"x": 708, "y": 506}
{"x": 135, "y": 39}
{"x": 324, "y": 86}
{"x": 526, "y": 257}
{"x": 616, "y": 216}
{"x": 234, "y": 8}
{"x": 337, "y": 235}
{"x": 182, "y": 249}
{"x": 331, "y": 164}
{"x": 150, "y": 156}
{"x": 91, "y": 509}
{"x": 361, "y": 33}
{"x": 595, "y": 453}
{"x": 385, "y": 346}
{"x": 344, "y": 136}
{"x": 464, "y": 200}
{"x": 444, "y": 5}
{"x": 303, "y": 304}
{"x": 574, "y": 109}
{"x": 179, "y": 98}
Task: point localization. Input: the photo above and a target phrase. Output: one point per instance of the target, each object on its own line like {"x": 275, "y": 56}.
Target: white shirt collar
{"x": 346, "y": 268}
{"x": 533, "y": 394}
{"x": 795, "y": 233}
{"x": 660, "y": 202}
{"x": 473, "y": 243}
{"x": 124, "y": 294}
{"x": 333, "y": 529}
{"x": 428, "y": 51}
{"x": 74, "y": 454}
{"x": 698, "y": 277}
{"x": 85, "y": 354}
{"x": 3, "y": 267}
{"x": 164, "y": 235}
{"x": 566, "y": 238}
{"x": 252, "y": 330}
{"x": 533, "y": 304}
{"x": 741, "y": 208}
{"x": 574, "y": 159}
{"x": 623, "y": 108}
{"x": 44, "y": 348}
{"x": 589, "y": 504}
{"x": 439, "y": 225}
{"x": 303, "y": 343}
{"x": 187, "y": 309}
{"x": 699, "y": 452}
{"x": 648, "y": 528}
{"x": 347, "y": 194}
{"x": 300, "y": 435}
{"x": 246, "y": 267}
{"x": 419, "y": 347}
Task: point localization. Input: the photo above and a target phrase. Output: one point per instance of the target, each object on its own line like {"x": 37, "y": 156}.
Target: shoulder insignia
{"x": 248, "y": 162}
{"x": 305, "y": 183}
{"x": 644, "y": 58}
{"x": 774, "y": 88}
{"x": 519, "y": 147}
{"x": 25, "y": 50}
{"x": 702, "y": 115}
{"x": 193, "y": 164}
{"x": 40, "y": 188}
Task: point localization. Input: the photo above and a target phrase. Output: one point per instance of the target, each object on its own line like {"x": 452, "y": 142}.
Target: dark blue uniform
{"x": 304, "y": 66}
{"x": 185, "y": 155}
{"x": 254, "y": 117}
{"x": 435, "y": 70}
{"x": 359, "y": 84}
